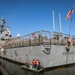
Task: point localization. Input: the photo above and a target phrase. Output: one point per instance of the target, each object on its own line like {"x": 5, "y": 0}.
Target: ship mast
{"x": 2, "y": 25}
{"x": 53, "y": 21}
{"x": 60, "y": 23}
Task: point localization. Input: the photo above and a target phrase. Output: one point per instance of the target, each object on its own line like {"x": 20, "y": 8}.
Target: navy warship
{"x": 49, "y": 48}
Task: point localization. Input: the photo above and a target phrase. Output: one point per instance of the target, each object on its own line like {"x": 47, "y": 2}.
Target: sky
{"x": 27, "y": 16}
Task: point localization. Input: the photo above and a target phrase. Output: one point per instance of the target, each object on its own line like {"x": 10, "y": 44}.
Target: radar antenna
{"x": 2, "y": 25}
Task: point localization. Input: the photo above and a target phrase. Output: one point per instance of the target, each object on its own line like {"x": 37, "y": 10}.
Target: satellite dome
{"x": 18, "y": 35}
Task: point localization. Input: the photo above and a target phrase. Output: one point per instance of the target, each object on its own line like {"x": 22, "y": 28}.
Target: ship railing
{"x": 59, "y": 38}
{"x": 59, "y": 41}
{"x": 37, "y": 38}
{"x": 73, "y": 43}
{"x": 45, "y": 37}
{"x": 73, "y": 40}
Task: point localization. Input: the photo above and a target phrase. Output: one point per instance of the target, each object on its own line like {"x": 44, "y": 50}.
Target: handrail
{"x": 39, "y": 37}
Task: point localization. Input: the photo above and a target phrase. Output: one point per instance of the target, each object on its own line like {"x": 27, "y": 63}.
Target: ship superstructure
{"x": 5, "y": 34}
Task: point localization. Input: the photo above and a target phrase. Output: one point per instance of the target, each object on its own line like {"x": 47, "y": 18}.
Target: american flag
{"x": 69, "y": 13}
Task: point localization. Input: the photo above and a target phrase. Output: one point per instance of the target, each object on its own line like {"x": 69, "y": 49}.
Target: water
{"x": 15, "y": 69}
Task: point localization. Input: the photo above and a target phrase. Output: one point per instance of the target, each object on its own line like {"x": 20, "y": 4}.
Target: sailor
{"x": 37, "y": 64}
{"x": 67, "y": 47}
{"x": 33, "y": 63}
{"x": 69, "y": 40}
{"x": 27, "y": 64}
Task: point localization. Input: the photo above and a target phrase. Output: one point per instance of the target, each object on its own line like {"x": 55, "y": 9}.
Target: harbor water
{"x": 15, "y": 69}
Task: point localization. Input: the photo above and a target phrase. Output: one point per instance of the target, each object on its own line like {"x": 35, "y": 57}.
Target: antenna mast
{"x": 60, "y": 23}
{"x": 53, "y": 22}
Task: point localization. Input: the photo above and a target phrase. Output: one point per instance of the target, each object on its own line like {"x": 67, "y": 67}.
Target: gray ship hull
{"x": 56, "y": 56}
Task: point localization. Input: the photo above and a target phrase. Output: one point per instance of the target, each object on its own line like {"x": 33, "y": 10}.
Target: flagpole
{"x": 70, "y": 26}
{"x": 71, "y": 21}
{"x": 73, "y": 8}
